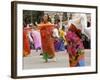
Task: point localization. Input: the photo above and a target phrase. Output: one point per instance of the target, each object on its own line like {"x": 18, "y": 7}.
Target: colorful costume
{"x": 47, "y": 40}
{"x": 26, "y": 44}
{"x": 74, "y": 47}
{"x": 36, "y": 38}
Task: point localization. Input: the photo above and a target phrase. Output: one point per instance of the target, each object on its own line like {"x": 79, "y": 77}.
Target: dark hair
{"x": 57, "y": 21}
{"x": 63, "y": 28}
{"x": 34, "y": 24}
{"x": 47, "y": 19}
{"x": 24, "y": 25}
{"x": 88, "y": 24}
{"x": 27, "y": 20}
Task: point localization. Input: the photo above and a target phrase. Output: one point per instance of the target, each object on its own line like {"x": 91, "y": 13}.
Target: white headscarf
{"x": 82, "y": 25}
{"x": 79, "y": 20}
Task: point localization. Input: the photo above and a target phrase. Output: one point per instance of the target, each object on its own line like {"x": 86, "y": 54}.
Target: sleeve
{"x": 55, "y": 33}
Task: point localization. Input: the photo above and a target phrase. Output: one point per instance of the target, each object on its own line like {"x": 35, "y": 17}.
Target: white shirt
{"x": 55, "y": 33}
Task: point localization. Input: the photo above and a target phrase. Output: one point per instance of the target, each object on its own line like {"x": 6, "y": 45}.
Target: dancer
{"x": 75, "y": 46}
{"x": 47, "y": 39}
{"x": 36, "y": 38}
{"x": 26, "y": 40}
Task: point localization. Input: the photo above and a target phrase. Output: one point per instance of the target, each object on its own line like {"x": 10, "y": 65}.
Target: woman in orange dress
{"x": 26, "y": 43}
{"x": 47, "y": 40}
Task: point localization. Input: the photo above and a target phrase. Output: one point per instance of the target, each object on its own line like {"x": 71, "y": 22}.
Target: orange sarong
{"x": 47, "y": 39}
{"x": 26, "y": 44}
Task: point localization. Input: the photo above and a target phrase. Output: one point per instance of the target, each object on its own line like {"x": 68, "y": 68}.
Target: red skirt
{"x": 47, "y": 40}
{"x": 26, "y": 44}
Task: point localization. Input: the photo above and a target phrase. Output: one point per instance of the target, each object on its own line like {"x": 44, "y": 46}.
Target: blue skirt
{"x": 59, "y": 45}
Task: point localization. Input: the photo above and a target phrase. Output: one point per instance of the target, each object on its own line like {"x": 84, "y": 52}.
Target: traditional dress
{"x": 62, "y": 35}
{"x": 47, "y": 40}
{"x": 36, "y": 38}
{"x": 59, "y": 44}
{"x": 74, "y": 47}
{"x": 26, "y": 43}
{"x": 56, "y": 39}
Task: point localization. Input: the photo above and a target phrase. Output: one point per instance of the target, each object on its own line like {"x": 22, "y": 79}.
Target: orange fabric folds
{"x": 47, "y": 39}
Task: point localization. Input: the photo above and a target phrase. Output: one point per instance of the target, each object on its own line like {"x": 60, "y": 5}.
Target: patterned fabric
{"x": 74, "y": 47}
{"x": 47, "y": 39}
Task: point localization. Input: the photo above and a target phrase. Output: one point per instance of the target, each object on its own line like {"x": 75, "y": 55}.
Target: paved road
{"x": 34, "y": 60}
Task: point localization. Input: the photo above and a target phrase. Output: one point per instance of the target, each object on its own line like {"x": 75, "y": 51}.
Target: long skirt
{"x": 37, "y": 39}
{"x": 26, "y": 44}
{"x": 47, "y": 42}
{"x": 59, "y": 45}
